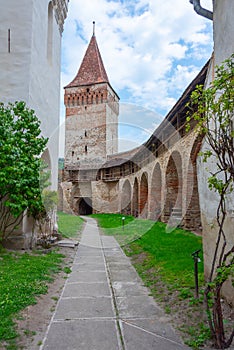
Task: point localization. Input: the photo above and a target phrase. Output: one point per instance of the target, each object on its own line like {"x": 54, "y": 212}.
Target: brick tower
{"x": 92, "y": 109}
{"x": 91, "y": 131}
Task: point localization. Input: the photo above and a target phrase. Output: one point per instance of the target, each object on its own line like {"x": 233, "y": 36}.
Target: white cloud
{"x": 151, "y": 49}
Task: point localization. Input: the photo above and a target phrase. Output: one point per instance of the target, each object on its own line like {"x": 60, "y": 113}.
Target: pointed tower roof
{"x": 92, "y": 69}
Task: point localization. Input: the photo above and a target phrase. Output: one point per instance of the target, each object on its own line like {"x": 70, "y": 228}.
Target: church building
{"x": 30, "y": 65}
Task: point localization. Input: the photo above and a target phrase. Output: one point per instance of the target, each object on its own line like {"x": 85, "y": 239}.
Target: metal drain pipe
{"x": 200, "y": 10}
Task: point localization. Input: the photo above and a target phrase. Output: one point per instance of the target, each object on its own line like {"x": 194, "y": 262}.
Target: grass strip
{"x": 23, "y": 277}
{"x": 132, "y": 229}
{"x": 69, "y": 225}
{"x": 170, "y": 252}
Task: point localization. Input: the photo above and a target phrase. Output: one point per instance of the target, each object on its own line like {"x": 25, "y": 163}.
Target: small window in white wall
{"x": 50, "y": 33}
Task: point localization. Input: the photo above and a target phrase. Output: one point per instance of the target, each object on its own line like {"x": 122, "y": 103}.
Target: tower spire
{"x": 92, "y": 70}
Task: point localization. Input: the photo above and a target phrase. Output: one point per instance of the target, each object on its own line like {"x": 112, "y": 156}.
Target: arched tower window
{"x": 50, "y": 33}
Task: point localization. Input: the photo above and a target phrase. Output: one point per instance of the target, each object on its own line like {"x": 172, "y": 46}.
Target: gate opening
{"x": 85, "y": 206}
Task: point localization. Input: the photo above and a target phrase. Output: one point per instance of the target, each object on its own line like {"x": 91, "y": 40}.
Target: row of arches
{"x": 169, "y": 194}
{"x": 165, "y": 189}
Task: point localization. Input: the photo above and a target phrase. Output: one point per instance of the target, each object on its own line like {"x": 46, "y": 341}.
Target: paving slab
{"x": 128, "y": 275}
{"x": 86, "y": 290}
{"x": 113, "y": 259}
{"x": 137, "y": 306}
{"x": 121, "y": 264}
{"x": 82, "y": 335}
{"x": 89, "y": 251}
{"x": 109, "y": 242}
{"x": 104, "y": 305}
{"x": 84, "y": 307}
{"x": 88, "y": 276}
{"x": 117, "y": 252}
{"x": 126, "y": 289}
{"x": 160, "y": 327}
{"x": 137, "y": 338}
{"x": 82, "y": 266}
{"x": 92, "y": 259}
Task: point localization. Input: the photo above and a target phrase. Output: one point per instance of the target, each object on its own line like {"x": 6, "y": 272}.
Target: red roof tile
{"x": 92, "y": 69}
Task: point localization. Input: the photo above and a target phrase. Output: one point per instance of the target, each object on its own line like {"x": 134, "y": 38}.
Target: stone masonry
{"x": 157, "y": 180}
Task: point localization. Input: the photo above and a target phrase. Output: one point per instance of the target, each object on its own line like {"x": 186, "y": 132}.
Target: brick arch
{"x": 143, "y": 198}
{"x": 155, "y": 205}
{"x": 192, "y": 217}
{"x": 135, "y": 198}
{"x": 126, "y": 195}
{"x": 173, "y": 188}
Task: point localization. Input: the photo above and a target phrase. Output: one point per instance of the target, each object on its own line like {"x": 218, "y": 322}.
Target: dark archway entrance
{"x": 192, "y": 217}
{"x": 126, "y": 198}
{"x": 173, "y": 202}
{"x": 85, "y": 206}
{"x": 155, "y": 198}
{"x": 143, "y": 202}
{"x": 135, "y": 199}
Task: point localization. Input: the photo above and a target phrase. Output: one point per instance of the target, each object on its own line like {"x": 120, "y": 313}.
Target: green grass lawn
{"x": 112, "y": 220}
{"x": 169, "y": 252}
{"x": 69, "y": 225}
{"x": 23, "y": 276}
{"x": 112, "y": 224}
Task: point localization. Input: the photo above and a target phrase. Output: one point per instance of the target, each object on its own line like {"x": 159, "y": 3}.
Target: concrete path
{"x": 104, "y": 305}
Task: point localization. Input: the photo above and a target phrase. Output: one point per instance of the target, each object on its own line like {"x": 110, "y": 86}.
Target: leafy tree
{"x": 21, "y": 145}
{"x": 213, "y": 109}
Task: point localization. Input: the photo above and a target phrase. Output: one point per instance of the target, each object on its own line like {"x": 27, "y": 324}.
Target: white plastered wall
{"x": 223, "y": 48}
{"x": 26, "y": 73}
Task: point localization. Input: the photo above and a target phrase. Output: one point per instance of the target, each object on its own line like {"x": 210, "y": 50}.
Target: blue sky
{"x": 151, "y": 51}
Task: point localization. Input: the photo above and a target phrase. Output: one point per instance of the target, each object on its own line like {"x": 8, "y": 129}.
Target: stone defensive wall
{"x": 157, "y": 180}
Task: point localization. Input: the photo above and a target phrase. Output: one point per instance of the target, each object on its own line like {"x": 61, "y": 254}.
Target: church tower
{"x": 92, "y": 108}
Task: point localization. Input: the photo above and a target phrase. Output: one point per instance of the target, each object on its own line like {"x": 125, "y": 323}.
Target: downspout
{"x": 200, "y": 10}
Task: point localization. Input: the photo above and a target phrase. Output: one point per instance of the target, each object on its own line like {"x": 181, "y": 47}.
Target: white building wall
{"x": 26, "y": 73}
{"x": 14, "y": 65}
{"x": 223, "y": 29}
{"x": 223, "y": 48}
{"x": 44, "y": 92}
